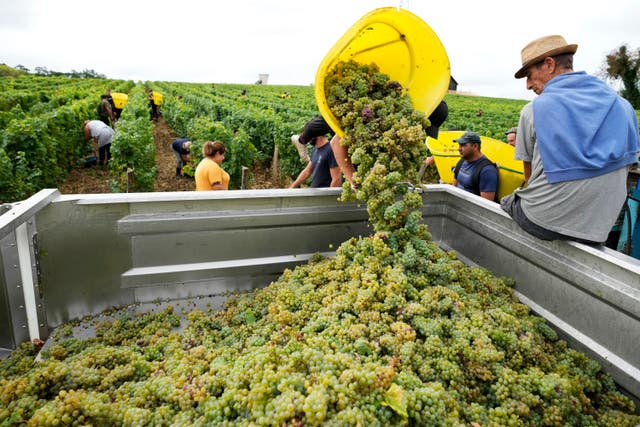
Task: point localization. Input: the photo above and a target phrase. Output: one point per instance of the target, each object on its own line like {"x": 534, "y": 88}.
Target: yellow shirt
{"x": 209, "y": 172}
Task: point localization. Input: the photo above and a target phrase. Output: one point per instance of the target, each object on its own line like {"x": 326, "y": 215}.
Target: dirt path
{"x": 95, "y": 179}
{"x": 166, "y": 161}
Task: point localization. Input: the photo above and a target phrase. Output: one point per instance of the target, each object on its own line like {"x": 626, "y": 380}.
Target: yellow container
{"x": 157, "y": 98}
{"x": 119, "y": 99}
{"x": 403, "y": 46}
{"x": 445, "y": 153}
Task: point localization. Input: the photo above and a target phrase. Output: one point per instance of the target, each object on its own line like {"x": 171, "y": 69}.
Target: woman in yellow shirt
{"x": 209, "y": 175}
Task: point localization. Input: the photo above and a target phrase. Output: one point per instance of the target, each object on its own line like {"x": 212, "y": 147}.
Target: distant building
{"x": 453, "y": 84}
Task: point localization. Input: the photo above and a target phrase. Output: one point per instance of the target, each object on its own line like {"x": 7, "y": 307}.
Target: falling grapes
{"x": 391, "y": 330}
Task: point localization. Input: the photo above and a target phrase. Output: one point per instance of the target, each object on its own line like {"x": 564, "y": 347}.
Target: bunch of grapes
{"x": 384, "y": 137}
{"x": 392, "y": 330}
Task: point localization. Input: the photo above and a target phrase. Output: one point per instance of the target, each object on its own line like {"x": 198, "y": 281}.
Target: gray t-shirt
{"x": 583, "y": 208}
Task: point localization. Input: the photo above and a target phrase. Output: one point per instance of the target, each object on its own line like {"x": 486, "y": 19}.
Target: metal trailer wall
{"x": 95, "y": 252}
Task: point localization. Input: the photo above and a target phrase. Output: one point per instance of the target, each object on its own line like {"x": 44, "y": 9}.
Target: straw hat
{"x": 542, "y": 48}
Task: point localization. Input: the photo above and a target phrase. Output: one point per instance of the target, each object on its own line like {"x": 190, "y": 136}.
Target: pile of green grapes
{"x": 392, "y": 330}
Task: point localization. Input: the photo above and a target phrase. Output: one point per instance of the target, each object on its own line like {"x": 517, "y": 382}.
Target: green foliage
{"x": 133, "y": 148}
{"x": 242, "y": 153}
{"x": 490, "y": 117}
{"x": 15, "y": 177}
{"x": 624, "y": 64}
{"x": 7, "y": 71}
{"x": 45, "y": 145}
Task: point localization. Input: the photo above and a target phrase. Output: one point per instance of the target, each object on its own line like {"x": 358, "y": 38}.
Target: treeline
{"x": 7, "y": 71}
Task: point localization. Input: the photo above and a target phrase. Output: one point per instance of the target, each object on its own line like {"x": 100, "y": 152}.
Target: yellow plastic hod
{"x": 403, "y": 46}
{"x": 157, "y": 98}
{"x": 119, "y": 99}
{"x": 445, "y": 153}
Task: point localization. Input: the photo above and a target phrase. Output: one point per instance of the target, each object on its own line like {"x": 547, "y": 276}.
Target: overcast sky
{"x": 235, "y": 41}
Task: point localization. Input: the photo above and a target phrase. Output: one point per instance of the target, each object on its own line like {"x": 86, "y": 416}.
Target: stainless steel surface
{"x": 19, "y": 268}
{"x": 101, "y": 251}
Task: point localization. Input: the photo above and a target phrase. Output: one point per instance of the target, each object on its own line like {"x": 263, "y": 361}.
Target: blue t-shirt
{"x": 488, "y": 179}
{"x": 322, "y": 160}
{"x": 177, "y": 145}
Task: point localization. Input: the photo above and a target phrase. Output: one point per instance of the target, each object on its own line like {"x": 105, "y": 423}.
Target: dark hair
{"x": 104, "y": 96}
{"x": 211, "y": 148}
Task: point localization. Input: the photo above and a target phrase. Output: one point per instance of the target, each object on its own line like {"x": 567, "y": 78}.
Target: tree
{"x": 42, "y": 71}
{"x": 624, "y": 64}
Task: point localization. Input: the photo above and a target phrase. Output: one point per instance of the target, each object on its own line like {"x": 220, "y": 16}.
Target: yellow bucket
{"x": 119, "y": 99}
{"x": 403, "y": 46}
{"x": 157, "y": 98}
{"x": 445, "y": 153}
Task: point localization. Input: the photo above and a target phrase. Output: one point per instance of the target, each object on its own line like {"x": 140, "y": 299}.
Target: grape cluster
{"x": 391, "y": 330}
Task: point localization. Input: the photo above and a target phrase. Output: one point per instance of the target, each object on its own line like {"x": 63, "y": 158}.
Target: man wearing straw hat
{"x": 577, "y": 140}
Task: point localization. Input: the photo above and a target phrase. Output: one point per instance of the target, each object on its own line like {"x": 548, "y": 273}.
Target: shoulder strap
{"x": 475, "y": 179}
{"x": 456, "y": 169}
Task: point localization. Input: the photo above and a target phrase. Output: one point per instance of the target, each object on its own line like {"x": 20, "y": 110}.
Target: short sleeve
{"x": 526, "y": 136}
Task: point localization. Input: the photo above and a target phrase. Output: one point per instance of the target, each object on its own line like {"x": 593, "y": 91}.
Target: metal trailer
{"x": 64, "y": 257}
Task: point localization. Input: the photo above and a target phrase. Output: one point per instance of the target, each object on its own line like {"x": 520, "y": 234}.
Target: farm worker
{"x": 322, "y": 166}
{"x": 105, "y": 112}
{"x": 153, "y": 106}
{"x": 209, "y": 173}
{"x": 437, "y": 118}
{"x": 181, "y": 149}
{"x": 116, "y": 111}
{"x": 102, "y": 133}
{"x": 474, "y": 172}
{"x": 577, "y": 140}
{"x": 511, "y": 136}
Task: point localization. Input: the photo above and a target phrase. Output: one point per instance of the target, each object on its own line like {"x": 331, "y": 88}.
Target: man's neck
{"x": 320, "y": 141}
